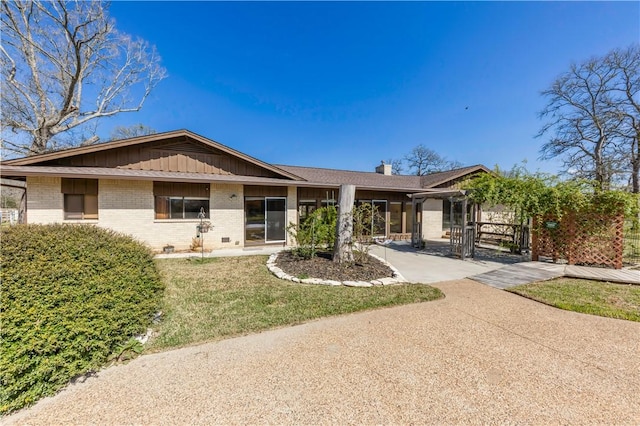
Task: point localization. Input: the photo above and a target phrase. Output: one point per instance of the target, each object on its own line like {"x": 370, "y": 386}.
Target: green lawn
{"x": 224, "y": 297}
{"x": 605, "y": 299}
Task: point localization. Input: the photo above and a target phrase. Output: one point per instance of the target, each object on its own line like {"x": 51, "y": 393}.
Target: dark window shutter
{"x": 79, "y": 186}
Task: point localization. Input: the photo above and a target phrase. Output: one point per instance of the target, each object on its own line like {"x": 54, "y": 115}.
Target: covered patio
{"x": 462, "y": 226}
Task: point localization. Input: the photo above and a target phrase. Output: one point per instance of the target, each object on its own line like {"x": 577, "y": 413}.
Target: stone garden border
{"x": 396, "y": 277}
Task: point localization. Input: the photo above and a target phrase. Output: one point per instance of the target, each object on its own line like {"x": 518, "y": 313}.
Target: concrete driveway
{"x": 434, "y": 264}
{"x": 480, "y": 355}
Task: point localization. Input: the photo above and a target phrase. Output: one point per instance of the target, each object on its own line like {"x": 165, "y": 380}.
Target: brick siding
{"x": 127, "y": 206}
{"x": 432, "y": 218}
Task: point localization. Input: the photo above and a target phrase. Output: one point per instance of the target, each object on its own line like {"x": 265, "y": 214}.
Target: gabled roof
{"x": 41, "y": 158}
{"x": 435, "y": 179}
{"x": 335, "y": 177}
{"x": 48, "y": 165}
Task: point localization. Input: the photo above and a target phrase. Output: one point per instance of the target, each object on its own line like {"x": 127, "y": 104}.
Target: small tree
{"x": 316, "y": 232}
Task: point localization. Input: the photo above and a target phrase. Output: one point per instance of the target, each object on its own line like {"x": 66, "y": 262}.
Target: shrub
{"x": 317, "y": 231}
{"x": 72, "y": 295}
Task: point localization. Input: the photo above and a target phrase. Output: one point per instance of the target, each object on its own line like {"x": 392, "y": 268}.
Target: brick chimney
{"x": 384, "y": 169}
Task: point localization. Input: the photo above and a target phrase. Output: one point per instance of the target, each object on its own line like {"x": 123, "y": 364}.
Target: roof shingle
{"x": 377, "y": 180}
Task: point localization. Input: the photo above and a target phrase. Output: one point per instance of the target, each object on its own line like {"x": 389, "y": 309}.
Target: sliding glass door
{"x": 379, "y": 224}
{"x": 254, "y": 224}
{"x": 265, "y": 219}
{"x": 276, "y": 219}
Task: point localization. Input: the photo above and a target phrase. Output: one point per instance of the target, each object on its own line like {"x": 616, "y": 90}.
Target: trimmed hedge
{"x": 71, "y": 296}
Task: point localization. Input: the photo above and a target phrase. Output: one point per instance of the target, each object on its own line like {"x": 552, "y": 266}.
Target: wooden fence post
{"x": 535, "y": 244}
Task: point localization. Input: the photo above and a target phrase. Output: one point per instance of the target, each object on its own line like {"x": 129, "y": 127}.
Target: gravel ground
{"x": 480, "y": 355}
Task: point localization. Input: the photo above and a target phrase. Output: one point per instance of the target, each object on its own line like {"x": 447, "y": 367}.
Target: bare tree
{"x": 126, "y": 132}
{"x": 423, "y": 161}
{"x": 591, "y": 112}
{"x": 396, "y": 166}
{"x": 625, "y": 101}
{"x": 64, "y": 64}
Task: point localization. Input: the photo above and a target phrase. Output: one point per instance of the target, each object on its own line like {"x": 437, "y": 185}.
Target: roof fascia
{"x": 70, "y": 152}
{"x": 127, "y": 174}
{"x": 27, "y": 171}
{"x": 472, "y": 169}
{"x": 444, "y": 193}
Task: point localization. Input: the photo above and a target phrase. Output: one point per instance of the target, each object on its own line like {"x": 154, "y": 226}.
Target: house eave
{"x": 129, "y": 174}
{"x": 439, "y": 194}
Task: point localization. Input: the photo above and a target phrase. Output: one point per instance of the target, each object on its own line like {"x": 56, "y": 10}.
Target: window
{"x": 80, "y": 198}
{"x": 409, "y": 217}
{"x": 395, "y": 217}
{"x": 457, "y": 214}
{"x": 180, "y": 200}
{"x": 181, "y": 207}
{"x": 305, "y": 208}
{"x": 380, "y": 219}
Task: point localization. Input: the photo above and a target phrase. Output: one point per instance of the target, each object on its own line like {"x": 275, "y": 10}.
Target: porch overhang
{"x": 439, "y": 194}
{"x": 462, "y": 242}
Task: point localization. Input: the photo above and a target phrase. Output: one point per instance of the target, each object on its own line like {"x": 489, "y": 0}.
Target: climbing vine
{"x": 572, "y": 219}
{"x": 537, "y": 194}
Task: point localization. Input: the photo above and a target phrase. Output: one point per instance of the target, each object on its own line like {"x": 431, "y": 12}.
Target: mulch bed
{"x": 323, "y": 267}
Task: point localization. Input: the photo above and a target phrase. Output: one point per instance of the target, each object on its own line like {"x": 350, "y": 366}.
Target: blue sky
{"x": 348, "y": 84}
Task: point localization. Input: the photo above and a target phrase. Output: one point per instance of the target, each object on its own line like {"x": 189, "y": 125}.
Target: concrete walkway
{"x": 528, "y": 272}
{"x": 478, "y": 356}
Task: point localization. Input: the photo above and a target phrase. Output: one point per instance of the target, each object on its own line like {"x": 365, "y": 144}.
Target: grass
{"x": 226, "y": 297}
{"x": 605, "y": 299}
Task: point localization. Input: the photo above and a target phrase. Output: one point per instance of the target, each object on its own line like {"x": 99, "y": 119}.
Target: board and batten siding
{"x": 169, "y": 156}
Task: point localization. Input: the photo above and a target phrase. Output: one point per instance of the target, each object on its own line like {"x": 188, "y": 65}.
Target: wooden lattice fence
{"x": 584, "y": 238}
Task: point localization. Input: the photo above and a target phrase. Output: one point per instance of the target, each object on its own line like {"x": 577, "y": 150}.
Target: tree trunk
{"x": 41, "y": 138}
{"x": 635, "y": 164}
{"x": 343, "y": 250}
{"x": 635, "y": 177}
